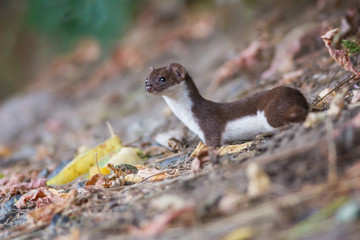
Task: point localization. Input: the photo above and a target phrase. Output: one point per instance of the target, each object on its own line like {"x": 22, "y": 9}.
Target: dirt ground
{"x": 312, "y": 170}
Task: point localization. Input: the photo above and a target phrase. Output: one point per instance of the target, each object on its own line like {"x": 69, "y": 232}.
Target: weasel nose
{"x": 148, "y": 87}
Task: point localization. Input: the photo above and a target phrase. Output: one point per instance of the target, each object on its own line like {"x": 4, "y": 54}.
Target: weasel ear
{"x": 178, "y": 69}
{"x": 151, "y": 69}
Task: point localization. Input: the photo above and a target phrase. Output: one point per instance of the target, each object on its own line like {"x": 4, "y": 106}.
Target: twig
{"x": 97, "y": 165}
{"x": 336, "y": 88}
{"x": 333, "y": 77}
{"x": 165, "y": 158}
{"x": 332, "y": 175}
{"x": 111, "y": 130}
{"x": 167, "y": 171}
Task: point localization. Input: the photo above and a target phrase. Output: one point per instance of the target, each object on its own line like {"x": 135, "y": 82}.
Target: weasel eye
{"x": 162, "y": 79}
{"x": 146, "y": 81}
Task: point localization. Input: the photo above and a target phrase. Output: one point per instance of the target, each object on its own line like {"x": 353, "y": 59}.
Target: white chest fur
{"x": 246, "y": 128}
{"x": 180, "y": 103}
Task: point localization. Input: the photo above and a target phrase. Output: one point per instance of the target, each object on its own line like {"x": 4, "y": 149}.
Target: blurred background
{"x": 34, "y": 33}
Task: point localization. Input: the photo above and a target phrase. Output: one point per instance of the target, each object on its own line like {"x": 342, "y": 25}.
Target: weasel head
{"x": 165, "y": 81}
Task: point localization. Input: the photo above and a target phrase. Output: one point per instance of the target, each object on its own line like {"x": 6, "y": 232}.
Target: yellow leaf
{"x": 243, "y": 233}
{"x": 82, "y": 163}
{"x": 94, "y": 170}
{"x": 234, "y": 148}
{"x": 228, "y": 149}
{"x": 126, "y": 155}
{"x": 198, "y": 149}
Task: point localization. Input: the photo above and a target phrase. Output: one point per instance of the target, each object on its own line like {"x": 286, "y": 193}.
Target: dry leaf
{"x": 195, "y": 165}
{"x": 97, "y": 180}
{"x": 38, "y": 198}
{"x": 202, "y": 158}
{"x": 259, "y": 181}
{"x": 340, "y": 56}
{"x": 13, "y": 185}
{"x": 46, "y": 213}
{"x": 200, "y": 147}
{"x": 229, "y": 149}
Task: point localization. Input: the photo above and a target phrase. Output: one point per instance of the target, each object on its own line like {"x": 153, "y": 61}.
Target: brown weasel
{"x": 217, "y": 123}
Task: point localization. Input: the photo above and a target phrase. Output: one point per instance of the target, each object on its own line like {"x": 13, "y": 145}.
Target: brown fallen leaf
{"x": 341, "y": 56}
{"x": 39, "y": 198}
{"x": 14, "y": 185}
{"x": 196, "y": 165}
{"x": 184, "y": 216}
{"x": 46, "y": 213}
{"x": 97, "y": 180}
{"x": 202, "y": 157}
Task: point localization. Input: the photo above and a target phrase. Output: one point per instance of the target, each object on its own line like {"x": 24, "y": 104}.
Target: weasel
{"x": 217, "y": 123}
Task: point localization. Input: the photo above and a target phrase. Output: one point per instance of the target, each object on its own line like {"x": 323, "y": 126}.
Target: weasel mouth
{"x": 149, "y": 89}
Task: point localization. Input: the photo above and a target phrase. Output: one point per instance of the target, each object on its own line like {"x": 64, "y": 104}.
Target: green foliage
{"x": 353, "y": 47}
{"x": 66, "y": 21}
